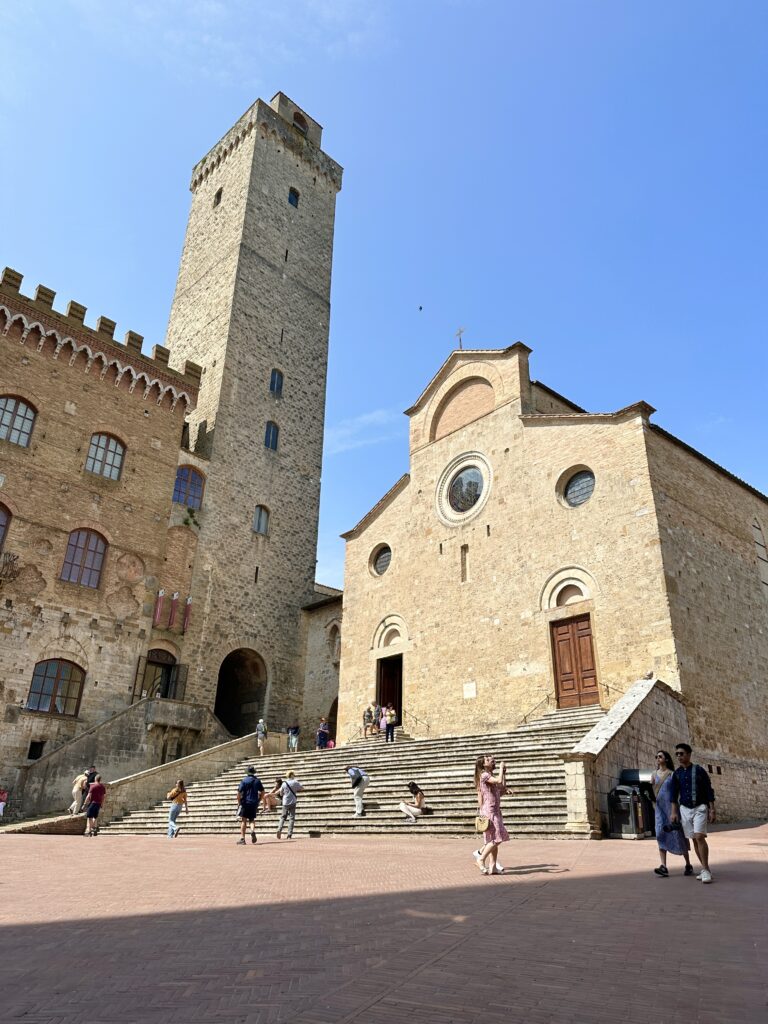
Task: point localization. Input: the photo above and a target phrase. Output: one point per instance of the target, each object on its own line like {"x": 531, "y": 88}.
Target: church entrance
{"x": 389, "y": 684}
{"x": 574, "y": 658}
{"x": 241, "y": 691}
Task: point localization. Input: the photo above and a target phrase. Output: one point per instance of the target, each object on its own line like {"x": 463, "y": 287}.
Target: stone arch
{"x": 567, "y": 586}
{"x": 467, "y": 401}
{"x": 392, "y": 631}
{"x": 241, "y": 693}
{"x": 65, "y": 648}
{"x": 333, "y": 638}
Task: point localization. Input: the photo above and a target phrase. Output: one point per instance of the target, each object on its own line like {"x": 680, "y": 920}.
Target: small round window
{"x": 465, "y": 489}
{"x": 579, "y": 488}
{"x": 381, "y": 558}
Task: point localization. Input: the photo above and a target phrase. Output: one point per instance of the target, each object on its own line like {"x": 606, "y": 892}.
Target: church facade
{"x": 538, "y": 556}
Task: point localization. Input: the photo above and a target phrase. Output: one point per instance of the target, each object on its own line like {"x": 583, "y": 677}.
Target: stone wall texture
{"x": 477, "y": 652}
{"x": 666, "y": 553}
{"x": 146, "y": 734}
{"x": 321, "y": 645}
{"x": 252, "y": 296}
{"x": 80, "y": 383}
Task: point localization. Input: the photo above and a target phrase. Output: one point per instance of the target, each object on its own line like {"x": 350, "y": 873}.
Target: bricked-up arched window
{"x": 16, "y": 420}
{"x": 293, "y": 196}
{"x": 84, "y": 560}
{"x": 300, "y": 123}
{"x": 261, "y": 520}
{"x": 5, "y": 520}
{"x": 271, "y": 435}
{"x": 188, "y": 489}
{"x": 57, "y": 687}
{"x": 105, "y": 456}
{"x": 276, "y": 383}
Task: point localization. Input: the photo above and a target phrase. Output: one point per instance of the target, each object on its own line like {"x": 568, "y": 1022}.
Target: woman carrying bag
{"x": 489, "y": 820}
{"x": 178, "y": 798}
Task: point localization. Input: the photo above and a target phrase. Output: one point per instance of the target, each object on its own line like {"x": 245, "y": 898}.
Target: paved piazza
{"x": 377, "y": 930}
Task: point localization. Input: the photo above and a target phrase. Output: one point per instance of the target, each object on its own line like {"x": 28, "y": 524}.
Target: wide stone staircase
{"x": 536, "y": 807}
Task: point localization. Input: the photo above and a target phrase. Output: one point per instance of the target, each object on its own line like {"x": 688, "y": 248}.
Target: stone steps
{"x": 443, "y": 767}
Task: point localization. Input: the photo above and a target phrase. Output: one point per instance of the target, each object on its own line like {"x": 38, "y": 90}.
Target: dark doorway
{"x": 241, "y": 691}
{"x": 389, "y": 689}
{"x": 159, "y": 674}
{"x": 333, "y": 715}
{"x": 574, "y": 657}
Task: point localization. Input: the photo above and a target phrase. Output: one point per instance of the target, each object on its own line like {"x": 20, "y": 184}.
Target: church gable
{"x": 467, "y": 401}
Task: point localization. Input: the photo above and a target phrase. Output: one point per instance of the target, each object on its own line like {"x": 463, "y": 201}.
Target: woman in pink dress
{"x": 490, "y": 789}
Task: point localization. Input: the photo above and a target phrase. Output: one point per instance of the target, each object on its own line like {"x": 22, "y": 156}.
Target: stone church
{"x": 158, "y": 514}
{"x": 539, "y": 556}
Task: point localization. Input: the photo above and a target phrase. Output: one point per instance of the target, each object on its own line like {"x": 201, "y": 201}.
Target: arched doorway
{"x": 159, "y": 674}
{"x": 333, "y": 716}
{"x": 241, "y": 691}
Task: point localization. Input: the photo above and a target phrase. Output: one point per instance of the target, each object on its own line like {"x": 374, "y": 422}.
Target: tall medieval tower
{"x": 252, "y": 307}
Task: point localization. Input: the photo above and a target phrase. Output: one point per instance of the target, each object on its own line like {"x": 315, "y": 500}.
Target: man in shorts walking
{"x": 248, "y": 796}
{"x": 94, "y": 801}
{"x": 693, "y": 804}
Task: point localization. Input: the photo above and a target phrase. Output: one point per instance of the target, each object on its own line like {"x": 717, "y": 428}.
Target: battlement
{"x": 284, "y": 121}
{"x": 69, "y": 331}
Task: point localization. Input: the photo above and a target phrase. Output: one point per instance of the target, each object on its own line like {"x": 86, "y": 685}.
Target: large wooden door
{"x": 574, "y": 657}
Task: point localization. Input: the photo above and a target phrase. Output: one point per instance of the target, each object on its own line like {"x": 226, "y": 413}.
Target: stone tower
{"x": 252, "y": 307}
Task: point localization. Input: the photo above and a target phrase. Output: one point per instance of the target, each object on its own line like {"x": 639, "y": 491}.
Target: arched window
{"x": 276, "y": 383}
{"x": 270, "y": 436}
{"x": 300, "y": 122}
{"x": 105, "y": 456}
{"x": 5, "y": 521}
{"x": 293, "y": 196}
{"x": 16, "y": 421}
{"x": 188, "y": 489}
{"x": 261, "y": 520}
{"x": 56, "y": 688}
{"x": 84, "y": 559}
{"x": 334, "y": 643}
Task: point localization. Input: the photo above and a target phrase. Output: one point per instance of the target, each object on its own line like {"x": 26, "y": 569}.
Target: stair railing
{"x": 414, "y": 718}
{"x": 544, "y": 702}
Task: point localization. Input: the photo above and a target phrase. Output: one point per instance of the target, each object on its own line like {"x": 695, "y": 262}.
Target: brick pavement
{"x": 373, "y": 930}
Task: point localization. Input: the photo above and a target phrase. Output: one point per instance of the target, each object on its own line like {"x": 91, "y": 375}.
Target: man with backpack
{"x": 248, "y": 796}
{"x": 288, "y": 791}
{"x": 360, "y": 780}
{"x": 693, "y": 805}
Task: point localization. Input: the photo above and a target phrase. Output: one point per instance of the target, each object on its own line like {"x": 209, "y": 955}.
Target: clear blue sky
{"x": 587, "y": 177}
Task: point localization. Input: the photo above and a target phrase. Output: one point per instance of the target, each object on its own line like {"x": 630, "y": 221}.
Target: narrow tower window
{"x": 276, "y": 383}
{"x": 464, "y": 563}
{"x": 261, "y": 520}
{"x": 293, "y": 196}
{"x": 270, "y": 436}
{"x": 217, "y": 197}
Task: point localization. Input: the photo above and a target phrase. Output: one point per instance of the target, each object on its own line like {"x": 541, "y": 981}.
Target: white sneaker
{"x": 706, "y": 877}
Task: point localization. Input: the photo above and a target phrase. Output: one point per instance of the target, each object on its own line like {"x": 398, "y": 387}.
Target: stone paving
{"x": 372, "y": 930}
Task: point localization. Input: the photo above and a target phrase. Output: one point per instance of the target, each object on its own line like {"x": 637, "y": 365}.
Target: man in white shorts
{"x": 693, "y": 804}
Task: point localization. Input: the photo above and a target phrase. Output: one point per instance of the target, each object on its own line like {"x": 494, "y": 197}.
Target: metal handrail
{"x": 415, "y": 718}
{"x": 546, "y": 700}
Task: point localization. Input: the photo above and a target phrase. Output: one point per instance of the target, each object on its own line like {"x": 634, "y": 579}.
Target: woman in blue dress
{"x": 669, "y": 841}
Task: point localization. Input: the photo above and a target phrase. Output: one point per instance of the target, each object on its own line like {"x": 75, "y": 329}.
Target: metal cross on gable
{"x": 458, "y": 335}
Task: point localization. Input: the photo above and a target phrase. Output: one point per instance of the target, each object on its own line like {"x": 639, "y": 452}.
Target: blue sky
{"x": 587, "y": 177}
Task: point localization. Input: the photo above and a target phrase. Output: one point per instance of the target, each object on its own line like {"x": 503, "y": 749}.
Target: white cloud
{"x": 375, "y": 427}
{"x": 237, "y": 41}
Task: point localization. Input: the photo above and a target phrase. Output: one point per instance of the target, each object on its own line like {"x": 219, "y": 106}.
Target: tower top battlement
{"x": 288, "y": 123}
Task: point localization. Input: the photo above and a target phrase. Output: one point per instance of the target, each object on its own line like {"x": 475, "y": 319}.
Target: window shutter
{"x": 138, "y": 681}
